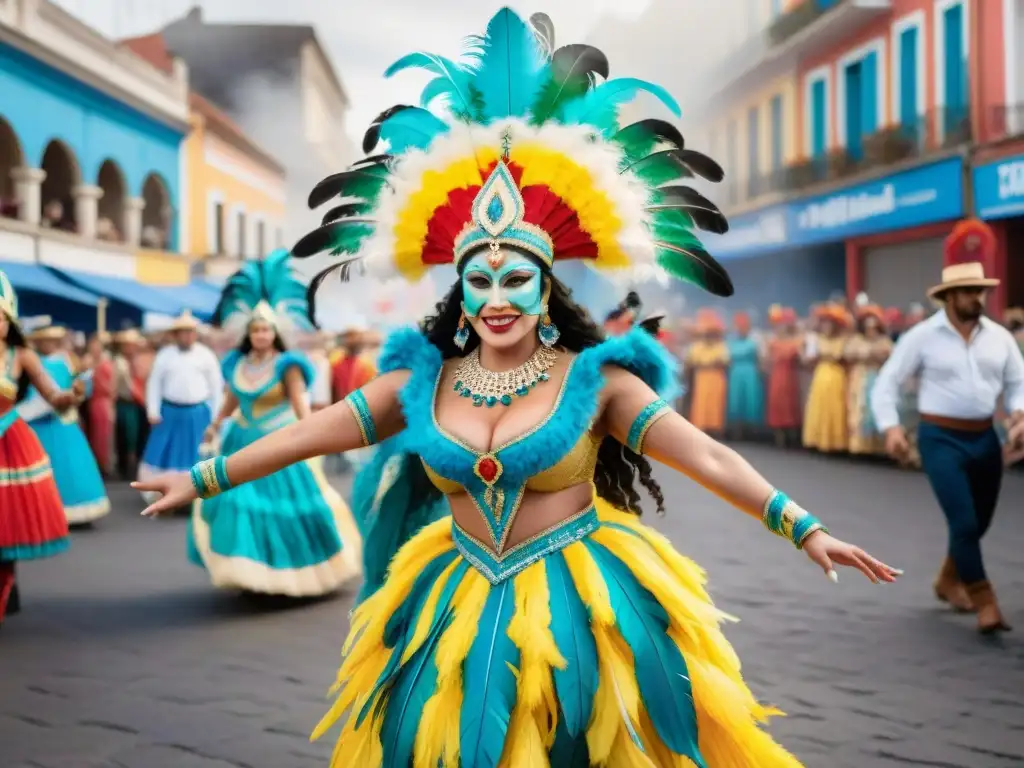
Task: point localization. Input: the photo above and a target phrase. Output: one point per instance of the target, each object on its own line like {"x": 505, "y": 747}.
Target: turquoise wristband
{"x": 643, "y": 422}
{"x": 210, "y": 477}
{"x": 783, "y": 517}
{"x": 356, "y": 402}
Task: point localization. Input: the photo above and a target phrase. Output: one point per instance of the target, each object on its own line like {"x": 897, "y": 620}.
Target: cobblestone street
{"x": 124, "y": 657}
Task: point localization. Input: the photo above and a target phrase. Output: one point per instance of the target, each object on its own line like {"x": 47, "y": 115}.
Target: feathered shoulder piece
{"x": 519, "y": 143}
{"x": 265, "y": 290}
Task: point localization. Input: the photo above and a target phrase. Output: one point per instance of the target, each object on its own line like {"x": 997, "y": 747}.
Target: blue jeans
{"x": 965, "y": 470}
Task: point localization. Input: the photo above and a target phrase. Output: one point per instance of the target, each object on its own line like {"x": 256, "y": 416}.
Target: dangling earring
{"x": 547, "y": 331}
{"x": 462, "y": 332}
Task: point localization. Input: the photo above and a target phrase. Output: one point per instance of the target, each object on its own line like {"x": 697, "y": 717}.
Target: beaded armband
{"x": 210, "y": 477}
{"x": 356, "y": 402}
{"x": 643, "y": 422}
{"x": 784, "y": 518}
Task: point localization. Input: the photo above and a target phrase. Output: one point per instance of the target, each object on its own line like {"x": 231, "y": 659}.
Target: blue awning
{"x": 200, "y": 299}
{"x": 33, "y": 277}
{"x": 142, "y": 297}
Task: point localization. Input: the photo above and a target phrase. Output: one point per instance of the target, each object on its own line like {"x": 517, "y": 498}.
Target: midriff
{"x": 537, "y": 512}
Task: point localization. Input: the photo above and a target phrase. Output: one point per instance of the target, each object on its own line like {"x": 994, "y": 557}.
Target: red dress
{"x": 784, "y": 410}
{"x": 101, "y": 413}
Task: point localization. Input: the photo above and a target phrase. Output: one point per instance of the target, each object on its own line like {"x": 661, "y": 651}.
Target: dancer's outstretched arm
{"x": 333, "y": 430}
{"x": 636, "y": 417}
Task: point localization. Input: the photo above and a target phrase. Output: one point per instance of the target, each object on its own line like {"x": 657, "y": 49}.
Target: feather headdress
{"x": 529, "y": 153}
{"x": 265, "y": 290}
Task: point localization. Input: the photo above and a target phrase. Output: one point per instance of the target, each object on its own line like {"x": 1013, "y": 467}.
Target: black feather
{"x": 545, "y": 30}
{"x": 372, "y": 136}
{"x": 578, "y": 60}
{"x": 715, "y": 279}
{"x": 637, "y": 166}
{"x": 664, "y": 131}
{"x": 323, "y": 238}
{"x": 345, "y": 211}
{"x": 700, "y": 164}
{"x": 383, "y": 159}
{"x": 704, "y": 213}
{"x": 317, "y": 281}
{"x": 335, "y": 185}
{"x": 652, "y": 324}
{"x": 632, "y": 300}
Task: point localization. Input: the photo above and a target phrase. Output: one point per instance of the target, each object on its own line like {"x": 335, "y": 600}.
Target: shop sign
{"x": 999, "y": 188}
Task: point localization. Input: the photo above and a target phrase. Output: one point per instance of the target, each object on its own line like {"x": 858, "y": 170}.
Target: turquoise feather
{"x": 599, "y": 107}
{"x": 510, "y": 67}
{"x": 569, "y": 751}
{"x": 411, "y": 128}
{"x": 490, "y": 684}
{"x": 661, "y": 672}
{"x": 402, "y": 624}
{"x": 576, "y": 685}
{"x": 283, "y": 290}
{"x": 452, "y": 79}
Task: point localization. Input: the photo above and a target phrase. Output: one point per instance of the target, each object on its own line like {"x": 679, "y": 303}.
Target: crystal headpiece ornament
{"x": 267, "y": 291}
{"x": 526, "y": 151}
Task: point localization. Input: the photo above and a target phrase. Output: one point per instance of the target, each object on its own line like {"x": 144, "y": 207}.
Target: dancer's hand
{"x": 827, "y": 551}
{"x": 175, "y": 489}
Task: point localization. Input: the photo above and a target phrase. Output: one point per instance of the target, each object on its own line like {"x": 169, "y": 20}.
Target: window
{"x": 777, "y": 135}
{"x": 261, "y": 234}
{"x": 818, "y": 112}
{"x": 218, "y": 229}
{"x": 859, "y": 98}
{"x": 753, "y": 153}
{"x": 241, "y": 243}
{"x": 951, "y": 69}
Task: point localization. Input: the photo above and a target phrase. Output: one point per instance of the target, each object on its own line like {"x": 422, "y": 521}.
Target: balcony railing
{"x": 1006, "y": 122}
{"x": 799, "y": 18}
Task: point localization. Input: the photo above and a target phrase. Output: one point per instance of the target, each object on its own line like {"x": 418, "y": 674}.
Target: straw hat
{"x": 128, "y": 336}
{"x": 837, "y": 313}
{"x": 968, "y": 250}
{"x": 48, "y": 333}
{"x": 184, "y": 322}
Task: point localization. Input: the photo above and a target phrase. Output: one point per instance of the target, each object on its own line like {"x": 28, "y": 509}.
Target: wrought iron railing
{"x": 1006, "y": 121}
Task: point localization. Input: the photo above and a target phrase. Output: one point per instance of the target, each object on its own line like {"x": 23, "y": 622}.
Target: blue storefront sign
{"x": 919, "y": 196}
{"x": 999, "y": 188}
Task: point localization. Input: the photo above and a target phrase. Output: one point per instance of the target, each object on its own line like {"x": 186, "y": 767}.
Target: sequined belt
{"x": 496, "y": 568}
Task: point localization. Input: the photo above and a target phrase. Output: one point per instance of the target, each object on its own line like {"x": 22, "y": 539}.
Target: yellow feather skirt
{"x": 444, "y": 668}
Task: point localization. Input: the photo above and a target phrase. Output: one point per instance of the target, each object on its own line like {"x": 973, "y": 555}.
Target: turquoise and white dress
{"x": 75, "y": 469}
{"x": 289, "y": 533}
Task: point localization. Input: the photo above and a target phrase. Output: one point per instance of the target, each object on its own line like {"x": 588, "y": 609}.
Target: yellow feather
{"x": 524, "y": 745}
{"x": 586, "y": 576}
{"x": 428, "y": 612}
{"x": 530, "y": 630}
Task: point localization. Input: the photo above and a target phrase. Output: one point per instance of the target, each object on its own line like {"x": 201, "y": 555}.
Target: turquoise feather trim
{"x": 661, "y": 671}
{"x": 489, "y": 695}
{"x": 569, "y": 751}
{"x": 577, "y": 684}
{"x": 392, "y": 500}
{"x": 229, "y": 363}
{"x": 272, "y": 280}
{"x": 294, "y": 359}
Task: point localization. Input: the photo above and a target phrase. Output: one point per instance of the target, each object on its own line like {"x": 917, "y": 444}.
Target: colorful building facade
{"x": 236, "y": 196}
{"x": 890, "y": 105}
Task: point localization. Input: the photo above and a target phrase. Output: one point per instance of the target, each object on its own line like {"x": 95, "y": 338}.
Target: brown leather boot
{"x": 949, "y": 588}
{"x": 990, "y": 618}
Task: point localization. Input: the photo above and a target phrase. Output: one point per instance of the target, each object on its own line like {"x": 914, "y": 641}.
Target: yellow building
{"x": 234, "y": 197}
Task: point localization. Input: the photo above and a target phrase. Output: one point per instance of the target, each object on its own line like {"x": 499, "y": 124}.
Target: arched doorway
{"x": 10, "y": 158}
{"x": 157, "y": 215}
{"x": 57, "y": 196}
{"x": 110, "y": 224}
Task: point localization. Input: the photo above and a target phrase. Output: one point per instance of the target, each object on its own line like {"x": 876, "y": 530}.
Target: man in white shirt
{"x": 183, "y": 392}
{"x": 964, "y": 362}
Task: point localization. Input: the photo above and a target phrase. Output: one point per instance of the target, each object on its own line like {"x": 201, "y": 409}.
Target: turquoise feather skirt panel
{"x": 289, "y": 533}
{"x": 606, "y": 651}
{"x": 75, "y": 471}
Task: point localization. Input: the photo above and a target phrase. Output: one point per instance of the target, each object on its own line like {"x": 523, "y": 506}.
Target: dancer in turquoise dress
{"x": 745, "y": 410}
{"x": 75, "y": 469}
{"x": 290, "y": 533}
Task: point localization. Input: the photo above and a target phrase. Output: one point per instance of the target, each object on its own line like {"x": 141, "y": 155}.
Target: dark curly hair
{"x": 618, "y": 468}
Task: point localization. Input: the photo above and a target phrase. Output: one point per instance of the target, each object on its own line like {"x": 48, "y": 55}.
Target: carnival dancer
{"x": 964, "y": 361}
{"x": 75, "y": 469}
{"x": 32, "y": 521}
{"x": 100, "y": 405}
{"x": 865, "y": 353}
{"x": 784, "y": 363}
{"x": 289, "y": 533}
{"x": 826, "y": 421}
{"x": 131, "y": 424}
{"x": 184, "y": 390}
{"x": 541, "y": 622}
{"x": 745, "y": 411}
{"x": 708, "y": 360}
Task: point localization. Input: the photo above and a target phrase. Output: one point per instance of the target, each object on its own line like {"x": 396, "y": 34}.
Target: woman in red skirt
{"x": 32, "y": 521}
{"x": 784, "y": 407}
